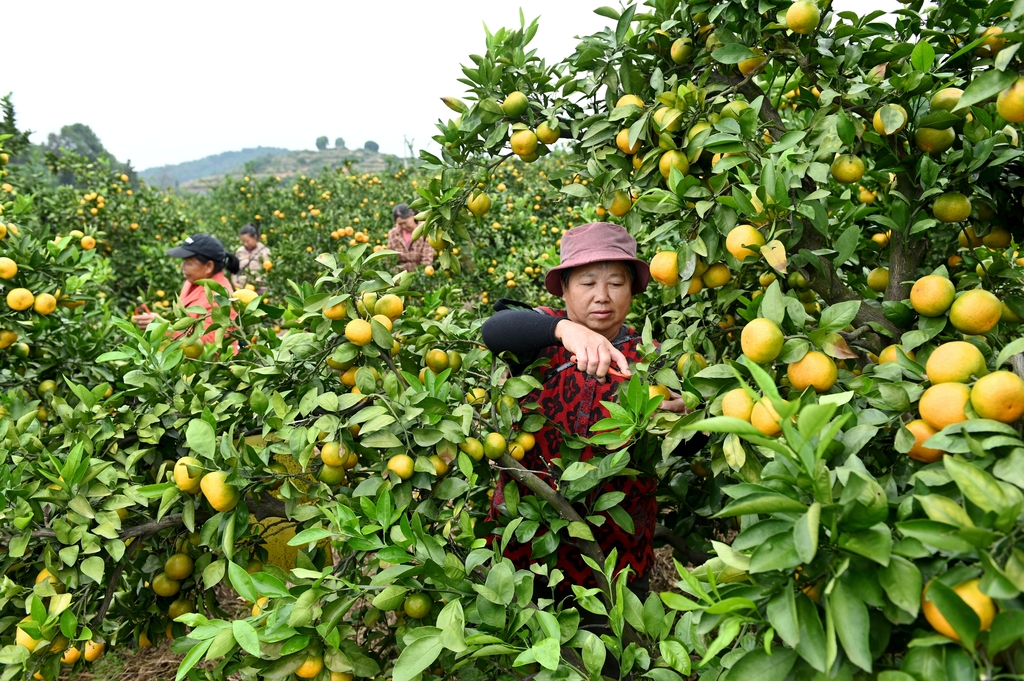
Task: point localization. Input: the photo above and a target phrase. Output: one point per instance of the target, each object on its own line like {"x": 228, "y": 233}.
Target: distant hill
{"x": 218, "y": 164}
{"x": 197, "y": 176}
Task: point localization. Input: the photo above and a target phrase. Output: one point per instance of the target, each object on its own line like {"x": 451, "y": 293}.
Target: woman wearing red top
{"x": 203, "y": 257}
{"x": 597, "y": 278}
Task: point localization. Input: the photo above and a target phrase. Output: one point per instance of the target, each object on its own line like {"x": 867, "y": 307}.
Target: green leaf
{"x": 1014, "y": 348}
{"x": 757, "y": 664}
{"x": 733, "y": 53}
{"x": 874, "y": 543}
{"x": 852, "y": 624}
{"x": 92, "y": 568}
{"x": 452, "y": 623}
{"x": 310, "y": 535}
{"x": 988, "y": 84}
{"x": 242, "y": 582}
{"x": 805, "y": 535}
{"x": 901, "y": 581}
{"x": 762, "y": 502}
{"x": 390, "y": 598}
{"x": 961, "y": 617}
{"x": 417, "y": 656}
{"x": 977, "y": 485}
{"x": 246, "y": 636}
{"x": 923, "y": 56}
{"x": 580, "y": 530}
{"x": 201, "y": 438}
{"x": 782, "y": 615}
{"x": 812, "y": 646}
{"x": 838, "y": 316}
{"x": 192, "y": 658}
{"x": 1007, "y": 629}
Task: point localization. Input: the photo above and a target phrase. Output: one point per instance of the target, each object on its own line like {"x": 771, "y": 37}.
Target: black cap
{"x": 402, "y": 211}
{"x": 205, "y": 245}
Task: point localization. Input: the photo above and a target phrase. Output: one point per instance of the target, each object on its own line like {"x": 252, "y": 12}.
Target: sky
{"x": 164, "y": 83}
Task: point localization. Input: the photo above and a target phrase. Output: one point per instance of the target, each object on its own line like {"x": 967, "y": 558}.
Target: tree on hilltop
{"x": 321, "y": 142}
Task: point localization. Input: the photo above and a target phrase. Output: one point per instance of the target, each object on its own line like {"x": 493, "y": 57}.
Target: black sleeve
{"x": 523, "y": 332}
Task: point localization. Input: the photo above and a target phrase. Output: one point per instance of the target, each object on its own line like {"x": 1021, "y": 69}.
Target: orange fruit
{"x": 748, "y": 65}
{"x": 88, "y": 243}
{"x": 188, "y": 481}
{"x": 969, "y": 592}
{"x": 943, "y": 404}
{"x": 473, "y": 447}
{"x": 331, "y": 475}
{"x": 975, "y": 312}
{"x": 390, "y": 306}
{"x": 764, "y": 417}
{"x": 951, "y": 207}
{"x": 621, "y": 204}
{"x": 889, "y": 354}
{"x": 359, "y": 332}
{"x": 992, "y": 43}
{"x": 626, "y": 100}
{"x": 814, "y": 370}
{"x": 23, "y": 639}
{"x": 665, "y": 268}
{"x": 402, "y": 465}
{"x": 71, "y": 656}
{"x": 479, "y": 203}
{"x": 968, "y": 238}
{"x": 998, "y": 237}
{"x": 526, "y": 440}
{"x": 682, "y": 50}
{"x": 333, "y": 454}
{"x": 802, "y": 17}
{"x": 494, "y": 445}
{"x": 440, "y": 466}
{"x": 20, "y": 299}
{"x": 179, "y": 607}
{"x": 847, "y": 168}
{"x": 94, "y": 650}
{"x": 622, "y": 142}
{"x": 163, "y": 585}
{"x": 761, "y": 340}
{"x": 999, "y": 396}
{"x": 8, "y": 268}
{"x": 673, "y": 159}
{"x": 933, "y": 140}
{"x": 417, "y": 606}
{"x": 515, "y": 104}
{"x": 932, "y": 295}
{"x": 921, "y": 431}
{"x": 688, "y": 358}
{"x": 716, "y": 276}
{"x": 547, "y": 134}
{"x": 878, "y": 123}
{"x": 878, "y": 279}
{"x": 947, "y": 99}
{"x": 524, "y": 143}
{"x": 1010, "y": 102}
{"x": 739, "y": 240}
{"x": 311, "y": 666}
{"x": 336, "y": 311}
{"x": 955, "y": 362}
{"x": 222, "y": 496}
{"x": 260, "y": 606}
{"x": 675, "y": 116}
{"x": 179, "y": 567}
{"x": 437, "y": 360}
{"x": 737, "y": 404}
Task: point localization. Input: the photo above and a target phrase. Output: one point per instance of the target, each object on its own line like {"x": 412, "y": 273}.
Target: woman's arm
{"x": 520, "y": 331}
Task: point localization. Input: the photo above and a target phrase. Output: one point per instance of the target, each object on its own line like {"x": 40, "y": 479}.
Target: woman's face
{"x": 598, "y": 297}
{"x": 249, "y": 241}
{"x": 193, "y": 270}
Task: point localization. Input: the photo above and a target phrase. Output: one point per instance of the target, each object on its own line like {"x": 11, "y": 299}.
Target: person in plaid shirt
{"x": 410, "y": 253}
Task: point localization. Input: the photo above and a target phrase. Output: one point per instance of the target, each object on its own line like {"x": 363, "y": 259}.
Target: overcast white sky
{"x": 164, "y": 83}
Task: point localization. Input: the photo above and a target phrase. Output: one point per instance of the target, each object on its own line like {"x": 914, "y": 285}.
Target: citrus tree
{"x": 827, "y": 203}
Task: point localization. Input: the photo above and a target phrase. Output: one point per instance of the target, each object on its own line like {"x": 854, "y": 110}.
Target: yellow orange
{"x": 1010, "y": 102}
{"x": 955, "y": 362}
{"x": 716, "y": 276}
{"x": 943, "y": 404}
{"x": 921, "y": 431}
{"x": 951, "y": 207}
{"x": 402, "y": 465}
{"x": 187, "y": 481}
{"x": 761, "y": 340}
{"x": 847, "y": 168}
{"x": 764, "y": 417}
{"x": 221, "y": 495}
{"x": 737, "y": 404}
{"x": 741, "y": 238}
{"x": 311, "y": 666}
{"x": 932, "y": 295}
{"x": 802, "y": 17}
{"x": 8, "y": 268}
{"x": 622, "y": 142}
{"x": 975, "y": 312}
{"x": 878, "y": 279}
{"x": 999, "y": 396}
{"x": 665, "y": 268}
{"x": 359, "y": 332}
{"x": 879, "y": 125}
{"x": 969, "y": 592}
{"x": 814, "y": 370}
{"x": 20, "y": 299}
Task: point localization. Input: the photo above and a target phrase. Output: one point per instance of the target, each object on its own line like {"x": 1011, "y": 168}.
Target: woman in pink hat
{"x": 588, "y": 348}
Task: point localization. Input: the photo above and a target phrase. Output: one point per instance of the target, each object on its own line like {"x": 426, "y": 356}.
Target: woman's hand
{"x": 594, "y": 353}
{"x": 144, "y": 319}
{"x": 674, "y": 404}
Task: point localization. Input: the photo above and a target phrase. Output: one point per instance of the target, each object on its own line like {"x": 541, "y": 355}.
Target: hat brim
{"x": 180, "y": 252}
{"x": 553, "y": 279}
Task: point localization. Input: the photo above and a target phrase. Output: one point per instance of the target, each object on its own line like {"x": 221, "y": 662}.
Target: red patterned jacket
{"x": 571, "y": 400}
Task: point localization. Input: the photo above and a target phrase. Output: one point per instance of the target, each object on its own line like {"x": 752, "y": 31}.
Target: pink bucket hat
{"x": 597, "y": 242}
